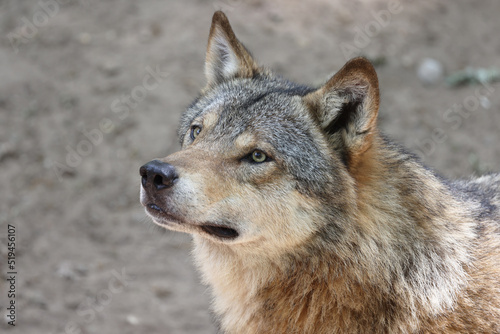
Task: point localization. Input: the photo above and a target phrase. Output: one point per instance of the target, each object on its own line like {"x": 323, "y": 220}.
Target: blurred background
{"x": 90, "y": 90}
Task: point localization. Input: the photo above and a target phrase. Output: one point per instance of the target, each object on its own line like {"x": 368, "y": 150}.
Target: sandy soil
{"x": 90, "y": 90}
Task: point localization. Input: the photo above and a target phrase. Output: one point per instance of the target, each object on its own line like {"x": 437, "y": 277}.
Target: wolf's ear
{"x": 346, "y": 108}
{"x": 226, "y": 57}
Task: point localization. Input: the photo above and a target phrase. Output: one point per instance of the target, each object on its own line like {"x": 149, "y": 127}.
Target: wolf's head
{"x": 265, "y": 164}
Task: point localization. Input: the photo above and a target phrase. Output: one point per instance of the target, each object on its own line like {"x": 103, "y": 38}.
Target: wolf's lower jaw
{"x": 160, "y": 217}
{"x": 166, "y": 220}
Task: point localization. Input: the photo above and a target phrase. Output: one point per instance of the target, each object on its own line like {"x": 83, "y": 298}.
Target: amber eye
{"x": 258, "y": 156}
{"x": 195, "y": 131}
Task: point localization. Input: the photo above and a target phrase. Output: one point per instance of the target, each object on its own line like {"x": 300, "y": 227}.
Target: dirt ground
{"x": 90, "y": 90}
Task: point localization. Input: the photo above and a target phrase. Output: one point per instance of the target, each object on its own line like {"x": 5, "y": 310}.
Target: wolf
{"x": 306, "y": 219}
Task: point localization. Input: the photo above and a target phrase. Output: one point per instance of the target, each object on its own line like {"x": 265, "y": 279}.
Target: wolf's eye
{"x": 258, "y": 156}
{"x": 195, "y": 131}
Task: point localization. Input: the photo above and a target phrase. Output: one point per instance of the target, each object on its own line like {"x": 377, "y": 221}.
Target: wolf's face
{"x": 252, "y": 160}
{"x": 260, "y": 155}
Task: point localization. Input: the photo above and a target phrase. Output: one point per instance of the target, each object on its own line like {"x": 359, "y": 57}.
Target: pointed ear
{"x": 226, "y": 57}
{"x": 346, "y": 108}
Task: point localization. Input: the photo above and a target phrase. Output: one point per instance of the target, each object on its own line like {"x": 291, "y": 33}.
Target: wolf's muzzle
{"x": 157, "y": 175}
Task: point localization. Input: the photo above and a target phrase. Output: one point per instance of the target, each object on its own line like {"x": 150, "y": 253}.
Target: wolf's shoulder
{"x": 488, "y": 185}
{"x": 484, "y": 190}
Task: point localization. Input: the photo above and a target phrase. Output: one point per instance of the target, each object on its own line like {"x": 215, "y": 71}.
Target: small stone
{"x": 162, "y": 292}
{"x": 430, "y": 71}
{"x": 110, "y": 68}
{"x": 133, "y": 320}
{"x": 71, "y": 271}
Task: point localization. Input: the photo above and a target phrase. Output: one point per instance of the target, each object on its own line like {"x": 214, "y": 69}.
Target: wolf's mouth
{"x": 219, "y": 231}
{"x": 222, "y": 232}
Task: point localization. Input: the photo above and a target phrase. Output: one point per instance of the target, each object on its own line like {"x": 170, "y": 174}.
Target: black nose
{"x": 158, "y": 175}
